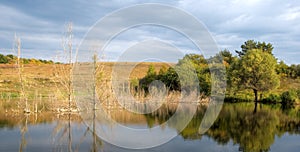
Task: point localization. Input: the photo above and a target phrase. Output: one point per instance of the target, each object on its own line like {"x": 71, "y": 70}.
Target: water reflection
{"x": 23, "y": 130}
{"x": 253, "y": 131}
{"x": 253, "y": 127}
{"x": 238, "y": 128}
{"x": 63, "y": 133}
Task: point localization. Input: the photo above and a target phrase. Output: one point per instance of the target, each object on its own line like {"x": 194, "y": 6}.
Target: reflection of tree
{"x": 69, "y": 134}
{"x": 252, "y": 131}
{"x": 287, "y": 108}
{"x": 165, "y": 112}
{"x": 96, "y": 140}
{"x": 23, "y": 131}
{"x": 190, "y": 131}
{"x": 258, "y": 131}
{"x": 97, "y": 144}
{"x": 150, "y": 119}
{"x": 161, "y": 115}
{"x": 63, "y": 132}
{"x": 289, "y": 121}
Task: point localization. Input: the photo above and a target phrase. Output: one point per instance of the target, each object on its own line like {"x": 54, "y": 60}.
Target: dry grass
{"x": 43, "y": 87}
{"x": 140, "y": 69}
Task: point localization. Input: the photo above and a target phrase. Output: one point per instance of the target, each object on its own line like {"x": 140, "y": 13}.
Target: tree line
{"x": 11, "y": 59}
{"x": 254, "y": 67}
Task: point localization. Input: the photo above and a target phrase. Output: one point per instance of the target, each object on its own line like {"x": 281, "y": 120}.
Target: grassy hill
{"x": 41, "y": 79}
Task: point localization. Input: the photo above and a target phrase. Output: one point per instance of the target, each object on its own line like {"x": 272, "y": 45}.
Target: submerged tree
{"x": 19, "y": 64}
{"x": 64, "y": 72}
{"x": 255, "y": 70}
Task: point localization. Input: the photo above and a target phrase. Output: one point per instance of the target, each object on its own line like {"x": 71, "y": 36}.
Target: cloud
{"x": 39, "y": 36}
{"x": 151, "y": 50}
{"x": 14, "y": 19}
{"x": 231, "y": 22}
{"x": 291, "y": 13}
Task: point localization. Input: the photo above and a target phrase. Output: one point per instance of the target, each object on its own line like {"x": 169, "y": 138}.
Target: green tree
{"x": 11, "y": 58}
{"x": 255, "y": 70}
{"x": 288, "y": 98}
{"x": 151, "y": 70}
{"x": 195, "y": 59}
{"x": 187, "y": 68}
{"x": 201, "y": 67}
{"x": 251, "y": 44}
{"x": 151, "y": 76}
{"x": 3, "y": 59}
{"x": 163, "y": 70}
{"x": 298, "y": 70}
{"x": 171, "y": 79}
{"x": 226, "y": 56}
{"x": 282, "y": 68}
{"x": 292, "y": 71}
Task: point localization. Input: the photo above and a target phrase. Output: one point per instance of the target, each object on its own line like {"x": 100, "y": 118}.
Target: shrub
{"x": 26, "y": 61}
{"x": 272, "y": 98}
{"x": 3, "y": 59}
{"x": 288, "y": 97}
{"x": 134, "y": 84}
{"x": 151, "y": 76}
{"x": 169, "y": 77}
{"x": 234, "y": 99}
{"x": 298, "y": 93}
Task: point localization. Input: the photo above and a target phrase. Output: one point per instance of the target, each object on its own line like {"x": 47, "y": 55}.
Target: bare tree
{"x": 64, "y": 72}
{"x": 98, "y": 73}
{"x": 20, "y": 67}
{"x": 68, "y": 48}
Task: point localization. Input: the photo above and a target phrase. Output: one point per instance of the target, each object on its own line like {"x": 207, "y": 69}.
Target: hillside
{"x": 42, "y": 79}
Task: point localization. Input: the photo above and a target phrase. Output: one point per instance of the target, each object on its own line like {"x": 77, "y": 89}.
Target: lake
{"x": 239, "y": 127}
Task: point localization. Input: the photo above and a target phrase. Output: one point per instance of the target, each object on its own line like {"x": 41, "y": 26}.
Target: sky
{"x": 41, "y": 25}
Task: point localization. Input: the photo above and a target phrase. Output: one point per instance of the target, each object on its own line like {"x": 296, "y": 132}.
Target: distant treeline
{"x": 292, "y": 71}
{"x": 11, "y": 59}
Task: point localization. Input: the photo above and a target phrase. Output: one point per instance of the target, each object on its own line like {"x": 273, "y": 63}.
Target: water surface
{"x": 239, "y": 127}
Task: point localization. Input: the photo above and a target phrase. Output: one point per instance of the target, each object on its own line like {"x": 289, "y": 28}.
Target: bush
{"x": 298, "y": 93}
{"x": 151, "y": 76}
{"x": 272, "y": 98}
{"x": 288, "y": 97}
{"x": 234, "y": 99}
{"x": 3, "y": 59}
{"x": 134, "y": 84}
{"x": 169, "y": 77}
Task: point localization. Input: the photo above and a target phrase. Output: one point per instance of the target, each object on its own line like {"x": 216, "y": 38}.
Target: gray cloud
{"x": 40, "y": 24}
{"x": 233, "y": 22}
